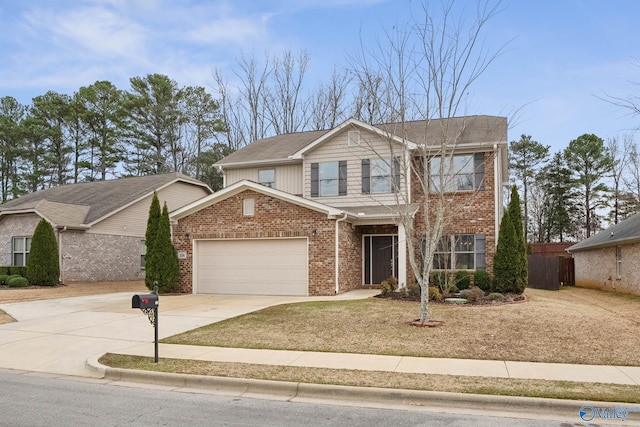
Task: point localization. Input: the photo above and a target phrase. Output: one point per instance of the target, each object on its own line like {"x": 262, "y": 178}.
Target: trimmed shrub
{"x": 388, "y": 286}
{"x": 482, "y": 280}
{"x": 474, "y": 294}
{"x": 18, "y": 269}
{"x": 43, "y": 267}
{"x": 413, "y": 290}
{"x": 4, "y": 270}
{"x": 435, "y": 294}
{"x": 3, "y": 279}
{"x": 18, "y": 282}
{"x": 463, "y": 279}
{"x": 438, "y": 279}
{"x": 496, "y": 296}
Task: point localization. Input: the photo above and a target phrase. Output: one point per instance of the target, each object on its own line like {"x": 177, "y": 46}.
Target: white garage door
{"x": 252, "y": 267}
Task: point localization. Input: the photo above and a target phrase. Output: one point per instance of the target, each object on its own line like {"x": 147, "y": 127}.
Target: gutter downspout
{"x": 338, "y": 252}
{"x": 60, "y": 254}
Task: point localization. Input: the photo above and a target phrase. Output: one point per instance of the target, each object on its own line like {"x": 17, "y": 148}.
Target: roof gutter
{"x": 338, "y": 221}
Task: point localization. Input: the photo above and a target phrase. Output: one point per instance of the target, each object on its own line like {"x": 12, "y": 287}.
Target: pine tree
{"x": 153, "y": 222}
{"x": 43, "y": 268}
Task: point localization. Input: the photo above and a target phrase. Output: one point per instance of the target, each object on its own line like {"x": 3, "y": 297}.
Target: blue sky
{"x": 562, "y": 54}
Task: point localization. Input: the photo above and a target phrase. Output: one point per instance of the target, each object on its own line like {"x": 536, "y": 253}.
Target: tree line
{"x": 156, "y": 126}
{"x": 570, "y": 194}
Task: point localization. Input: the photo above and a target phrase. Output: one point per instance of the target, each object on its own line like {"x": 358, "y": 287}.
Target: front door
{"x": 380, "y": 258}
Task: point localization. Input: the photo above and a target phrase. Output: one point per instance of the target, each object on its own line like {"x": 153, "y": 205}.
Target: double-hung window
{"x": 20, "y": 247}
{"x": 460, "y": 252}
{"x": 329, "y": 179}
{"x": 457, "y": 173}
{"x": 380, "y": 175}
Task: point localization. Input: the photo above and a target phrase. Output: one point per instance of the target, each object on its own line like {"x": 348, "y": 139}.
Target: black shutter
{"x": 481, "y": 245}
{"x": 478, "y": 167}
{"x": 396, "y": 175}
{"x": 366, "y": 176}
{"x": 342, "y": 178}
{"x": 315, "y": 181}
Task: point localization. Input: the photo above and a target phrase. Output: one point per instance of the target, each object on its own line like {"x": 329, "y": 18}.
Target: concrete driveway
{"x": 58, "y": 336}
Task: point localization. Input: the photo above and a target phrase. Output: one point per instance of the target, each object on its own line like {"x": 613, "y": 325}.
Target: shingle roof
{"x": 84, "y": 203}
{"x": 626, "y": 231}
{"x": 469, "y": 129}
{"x": 278, "y": 147}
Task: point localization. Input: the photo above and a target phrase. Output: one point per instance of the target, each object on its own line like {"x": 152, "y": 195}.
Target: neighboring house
{"x": 609, "y": 259}
{"x": 315, "y": 213}
{"x": 100, "y": 226}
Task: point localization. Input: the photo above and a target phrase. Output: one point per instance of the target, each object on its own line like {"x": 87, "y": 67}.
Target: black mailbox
{"x": 144, "y": 301}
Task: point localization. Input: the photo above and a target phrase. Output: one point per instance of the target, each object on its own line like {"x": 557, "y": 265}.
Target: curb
{"x": 541, "y": 408}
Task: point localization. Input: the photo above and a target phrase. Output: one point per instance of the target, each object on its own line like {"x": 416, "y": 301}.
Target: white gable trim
{"x": 243, "y": 185}
{"x": 355, "y": 123}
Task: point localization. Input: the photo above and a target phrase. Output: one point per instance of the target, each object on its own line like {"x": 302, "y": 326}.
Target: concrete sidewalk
{"x": 628, "y": 375}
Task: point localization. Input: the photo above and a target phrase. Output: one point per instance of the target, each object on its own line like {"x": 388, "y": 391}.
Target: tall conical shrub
{"x": 43, "y": 267}
{"x": 165, "y": 257}
{"x": 507, "y": 268}
{"x": 151, "y": 274}
{"x": 515, "y": 214}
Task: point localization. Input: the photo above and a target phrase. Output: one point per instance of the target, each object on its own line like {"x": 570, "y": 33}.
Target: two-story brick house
{"x": 316, "y": 213}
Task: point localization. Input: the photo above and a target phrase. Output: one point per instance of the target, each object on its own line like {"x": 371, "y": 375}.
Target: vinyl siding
{"x": 132, "y": 221}
{"x": 371, "y": 146}
{"x": 288, "y": 177}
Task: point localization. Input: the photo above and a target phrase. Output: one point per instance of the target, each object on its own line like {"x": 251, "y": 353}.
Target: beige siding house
{"x": 100, "y": 226}
{"x": 610, "y": 259}
{"x": 316, "y": 213}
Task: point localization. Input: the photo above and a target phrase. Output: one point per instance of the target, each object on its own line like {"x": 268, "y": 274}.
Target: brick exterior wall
{"x": 15, "y": 226}
{"x": 475, "y": 212}
{"x": 85, "y": 257}
{"x": 350, "y": 256}
{"x": 89, "y": 257}
{"x": 596, "y": 269}
{"x": 273, "y": 218}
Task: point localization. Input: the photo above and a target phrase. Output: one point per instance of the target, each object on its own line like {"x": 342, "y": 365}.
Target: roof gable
{"x": 244, "y": 185}
{"x": 86, "y": 203}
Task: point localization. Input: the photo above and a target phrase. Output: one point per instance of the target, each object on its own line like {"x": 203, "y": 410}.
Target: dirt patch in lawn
{"x": 77, "y": 289}
{"x": 573, "y": 325}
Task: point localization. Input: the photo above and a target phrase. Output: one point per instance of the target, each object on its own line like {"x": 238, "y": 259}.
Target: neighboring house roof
{"x": 627, "y": 231}
{"x": 80, "y": 205}
{"x": 461, "y": 130}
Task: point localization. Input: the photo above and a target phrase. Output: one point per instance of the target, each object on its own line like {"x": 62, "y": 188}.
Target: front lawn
{"x": 573, "y": 325}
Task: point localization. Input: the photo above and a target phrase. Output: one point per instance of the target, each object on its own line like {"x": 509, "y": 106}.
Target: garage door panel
{"x": 253, "y": 267}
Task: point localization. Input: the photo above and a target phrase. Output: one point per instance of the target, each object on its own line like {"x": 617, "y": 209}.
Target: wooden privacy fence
{"x": 550, "y": 272}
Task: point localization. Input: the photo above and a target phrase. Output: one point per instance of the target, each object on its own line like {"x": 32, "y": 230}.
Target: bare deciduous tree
{"x": 424, "y": 71}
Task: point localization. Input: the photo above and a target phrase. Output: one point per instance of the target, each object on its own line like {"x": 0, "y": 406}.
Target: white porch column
{"x": 402, "y": 257}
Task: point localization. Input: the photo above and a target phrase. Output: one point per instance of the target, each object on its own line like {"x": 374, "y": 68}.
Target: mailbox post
{"x": 148, "y": 304}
